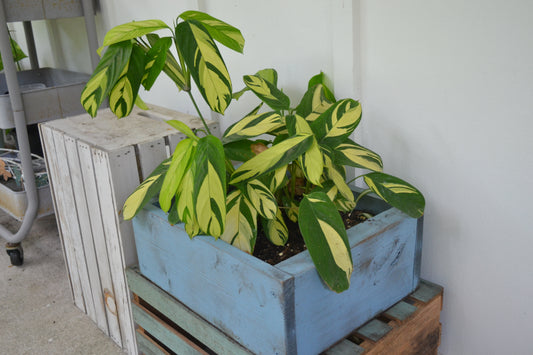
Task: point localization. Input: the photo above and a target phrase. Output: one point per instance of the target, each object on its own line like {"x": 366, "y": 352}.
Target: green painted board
{"x": 206, "y": 333}
{"x": 401, "y": 310}
{"x": 374, "y": 330}
{"x": 426, "y": 291}
{"x": 345, "y": 347}
{"x": 146, "y": 347}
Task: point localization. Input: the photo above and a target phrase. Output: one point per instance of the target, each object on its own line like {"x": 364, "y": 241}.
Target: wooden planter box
{"x": 286, "y": 308}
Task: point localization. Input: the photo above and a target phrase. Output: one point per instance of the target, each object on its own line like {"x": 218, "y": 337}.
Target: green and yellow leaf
{"x": 184, "y": 198}
{"x": 352, "y": 154}
{"x": 278, "y": 178}
{"x": 131, "y": 30}
{"x": 267, "y": 92}
{"x": 222, "y": 32}
{"x": 320, "y": 79}
{"x": 314, "y": 103}
{"x": 210, "y": 186}
{"x": 261, "y": 198}
{"x": 338, "y": 179}
{"x": 273, "y": 158}
{"x": 156, "y": 58}
{"x": 171, "y": 68}
{"x": 252, "y": 126}
{"x": 312, "y": 161}
{"x": 325, "y": 237}
{"x": 181, "y": 159}
{"x": 145, "y": 191}
{"x": 105, "y": 76}
{"x": 241, "y": 222}
{"x": 183, "y": 128}
{"x": 275, "y": 229}
{"x": 397, "y": 192}
{"x": 205, "y": 63}
{"x": 337, "y": 122}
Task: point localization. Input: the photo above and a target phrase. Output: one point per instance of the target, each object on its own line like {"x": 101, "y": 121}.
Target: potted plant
{"x": 296, "y": 174}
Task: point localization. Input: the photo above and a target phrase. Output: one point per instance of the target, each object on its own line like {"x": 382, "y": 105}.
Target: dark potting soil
{"x": 274, "y": 254}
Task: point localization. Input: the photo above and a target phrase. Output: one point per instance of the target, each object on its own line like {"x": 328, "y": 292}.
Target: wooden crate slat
{"x": 150, "y": 155}
{"x": 80, "y": 199}
{"x": 147, "y": 346}
{"x": 426, "y": 291}
{"x": 345, "y": 347}
{"x": 181, "y": 315}
{"x": 171, "y": 338}
{"x": 374, "y": 330}
{"x": 401, "y": 311}
{"x": 97, "y": 227}
{"x": 58, "y": 187}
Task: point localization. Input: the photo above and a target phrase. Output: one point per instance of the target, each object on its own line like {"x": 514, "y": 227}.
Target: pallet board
{"x": 166, "y": 326}
{"x": 93, "y": 166}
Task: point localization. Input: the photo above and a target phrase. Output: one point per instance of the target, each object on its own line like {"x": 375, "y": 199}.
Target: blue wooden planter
{"x": 286, "y": 308}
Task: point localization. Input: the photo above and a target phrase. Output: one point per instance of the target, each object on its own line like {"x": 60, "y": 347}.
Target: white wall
{"x": 446, "y": 88}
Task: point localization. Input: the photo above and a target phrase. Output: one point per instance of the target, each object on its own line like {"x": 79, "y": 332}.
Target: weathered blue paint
{"x": 282, "y": 309}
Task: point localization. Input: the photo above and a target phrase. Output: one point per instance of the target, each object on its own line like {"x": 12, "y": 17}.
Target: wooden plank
{"x": 426, "y": 291}
{"x": 147, "y": 346}
{"x": 150, "y": 155}
{"x": 164, "y": 333}
{"x": 401, "y": 311}
{"x": 345, "y": 347}
{"x": 58, "y": 189}
{"x": 206, "y": 333}
{"x": 374, "y": 330}
{"x": 97, "y": 227}
{"x": 78, "y": 188}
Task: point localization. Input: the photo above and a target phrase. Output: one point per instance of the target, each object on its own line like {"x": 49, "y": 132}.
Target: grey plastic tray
{"x": 47, "y": 94}
{"x": 14, "y": 202}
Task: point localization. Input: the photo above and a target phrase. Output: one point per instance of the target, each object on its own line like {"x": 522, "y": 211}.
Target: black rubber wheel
{"x": 16, "y": 256}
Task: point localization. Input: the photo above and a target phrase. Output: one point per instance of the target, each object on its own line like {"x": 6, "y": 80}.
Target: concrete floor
{"x": 37, "y": 314}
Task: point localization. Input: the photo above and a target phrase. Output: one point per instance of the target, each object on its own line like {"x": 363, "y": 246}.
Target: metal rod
{"x": 30, "y": 42}
{"x": 15, "y": 97}
{"x": 90, "y": 26}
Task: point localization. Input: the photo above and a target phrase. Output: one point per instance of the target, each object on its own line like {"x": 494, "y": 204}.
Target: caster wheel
{"x": 16, "y": 254}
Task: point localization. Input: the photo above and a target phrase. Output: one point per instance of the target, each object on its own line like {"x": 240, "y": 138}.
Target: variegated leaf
{"x": 123, "y": 95}
{"x": 326, "y": 240}
{"x": 343, "y": 204}
{"x": 338, "y": 179}
{"x": 312, "y": 161}
{"x": 267, "y": 92}
{"x": 145, "y": 191}
{"x": 252, "y": 126}
{"x": 171, "y": 68}
{"x": 337, "y": 122}
{"x": 329, "y": 188}
{"x": 278, "y": 178}
{"x": 210, "y": 186}
{"x": 397, "y": 192}
{"x": 352, "y": 154}
{"x": 184, "y": 198}
{"x": 181, "y": 159}
{"x": 222, "y": 32}
{"x": 245, "y": 149}
{"x": 183, "y": 128}
{"x": 156, "y": 58}
{"x": 205, "y": 64}
{"x": 261, "y": 198}
{"x": 105, "y": 76}
{"x": 320, "y": 79}
{"x": 131, "y": 30}
{"x": 273, "y": 158}
{"x": 275, "y": 229}
{"x": 241, "y": 222}
{"x": 314, "y": 103}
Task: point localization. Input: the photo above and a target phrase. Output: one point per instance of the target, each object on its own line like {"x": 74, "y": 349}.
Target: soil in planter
{"x": 274, "y": 254}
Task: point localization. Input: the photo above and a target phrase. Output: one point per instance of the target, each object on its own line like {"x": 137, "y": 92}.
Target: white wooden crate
{"x": 93, "y": 166}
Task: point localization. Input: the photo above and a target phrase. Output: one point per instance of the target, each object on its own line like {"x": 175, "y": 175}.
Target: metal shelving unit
{"x": 37, "y": 95}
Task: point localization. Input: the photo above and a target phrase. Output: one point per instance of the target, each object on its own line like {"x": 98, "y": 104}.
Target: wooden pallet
{"x": 165, "y": 326}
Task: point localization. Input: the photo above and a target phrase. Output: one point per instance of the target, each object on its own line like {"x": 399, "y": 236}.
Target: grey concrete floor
{"x": 37, "y": 313}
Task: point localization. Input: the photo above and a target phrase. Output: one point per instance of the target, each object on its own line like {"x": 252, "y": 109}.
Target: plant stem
{"x": 199, "y": 113}
{"x": 355, "y": 178}
{"x": 361, "y": 195}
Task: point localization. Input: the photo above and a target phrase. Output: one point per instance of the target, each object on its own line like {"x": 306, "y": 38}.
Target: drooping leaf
{"x": 352, "y": 154}
{"x": 183, "y": 128}
{"x": 267, "y": 92}
{"x": 397, "y": 192}
{"x": 173, "y": 217}
{"x": 261, "y": 198}
{"x": 252, "y": 126}
{"x": 131, "y": 30}
{"x": 325, "y": 237}
{"x": 333, "y": 174}
{"x": 171, "y": 68}
{"x": 222, "y": 32}
{"x": 205, "y": 64}
{"x": 275, "y": 229}
{"x": 270, "y": 75}
{"x": 123, "y": 95}
{"x": 329, "y": 188}
{"x": 314, "y": 103}
{"x": 273, "y": 158}
{"x": 337, "y": 122}
{"x": 105, "y": 76}
{"x": 245, "y": 149}
{"x": 320, "y": 79}
{"x": 312, "y": 161}
{"x": 16, "y": 51}
{"x": 241, "y": 223}
{"x": 278, "y": 178}
{"x": 155, "y": 61}
{"x": 181, "y": 159}
{"x": 210, "y": 186}
{"x": 145, "y": 191}
{"x": 185, "y": 207}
